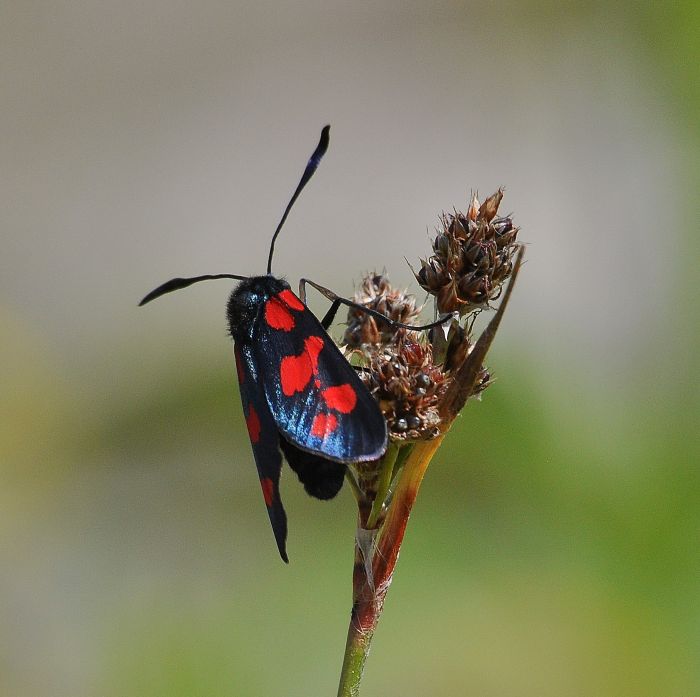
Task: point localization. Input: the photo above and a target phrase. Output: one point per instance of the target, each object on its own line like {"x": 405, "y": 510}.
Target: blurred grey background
{"x": 554, "y": 549}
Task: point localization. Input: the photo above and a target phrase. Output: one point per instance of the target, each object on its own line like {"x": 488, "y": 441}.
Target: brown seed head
{"x": 472, "y": 257}
{"x": 377, "y": 293}
{"x": 408, "y": 386}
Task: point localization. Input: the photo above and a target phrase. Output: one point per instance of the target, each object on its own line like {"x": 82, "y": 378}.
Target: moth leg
{"x": 330, "y": 315}
{"x": 337, "y": 300}
{"x": 333, "y": 310}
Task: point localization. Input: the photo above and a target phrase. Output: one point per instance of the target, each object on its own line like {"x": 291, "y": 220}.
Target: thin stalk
{"x": 356, "y": 652}
{"x": 350, "y": 479}
{"x": 369, "y": 593}
{"x": 404, "y": 452}
{"x": 385, "y": 476}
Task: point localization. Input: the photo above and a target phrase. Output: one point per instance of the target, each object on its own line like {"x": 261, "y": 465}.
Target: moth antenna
{"x": 177, "y": 283}
{"x": 311, "y": 167}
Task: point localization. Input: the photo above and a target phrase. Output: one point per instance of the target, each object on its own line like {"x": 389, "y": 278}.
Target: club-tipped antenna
{"x": 177, "y": 283}
{"x": 311, "y": 167}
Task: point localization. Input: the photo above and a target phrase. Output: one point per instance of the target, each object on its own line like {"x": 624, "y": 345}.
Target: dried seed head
{"x": 408, "y": 386}
{"x": 377, "y": 293}
{"x": 472, "y": 257}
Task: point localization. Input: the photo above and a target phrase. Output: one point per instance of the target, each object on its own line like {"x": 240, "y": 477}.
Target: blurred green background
{"x": 554, "y": 548}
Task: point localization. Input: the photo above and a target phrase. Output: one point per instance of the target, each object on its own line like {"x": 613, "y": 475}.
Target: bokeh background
{"x": 554, "y": 547}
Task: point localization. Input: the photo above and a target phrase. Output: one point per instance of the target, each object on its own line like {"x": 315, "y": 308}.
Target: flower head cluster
{"x": 407, "y": 384}
{"x": 376, "y": 293}
{"x": 397, "y": 363}
{"x": 472, "y": 257}
{"x": 409, "y": 372}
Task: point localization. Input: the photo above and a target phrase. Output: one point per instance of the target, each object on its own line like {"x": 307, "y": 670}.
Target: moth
{"x": 301, "y": 397}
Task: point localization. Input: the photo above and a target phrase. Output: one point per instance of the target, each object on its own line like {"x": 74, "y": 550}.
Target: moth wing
{"x": 264, "y": 438}
{"x": 322, "y": 478}
{"x": 315, "y": 396}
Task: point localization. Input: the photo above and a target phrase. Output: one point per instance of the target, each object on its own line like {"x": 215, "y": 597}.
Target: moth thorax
{"x": 245, "y": 303}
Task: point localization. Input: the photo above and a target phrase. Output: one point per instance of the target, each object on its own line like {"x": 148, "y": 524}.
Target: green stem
{"x": 404, "y": 452}
{"x": 356, "y": 652}
{"x": 362, "y": 623}
{"x": 385, "y": 476}
{"x": 368, "y": 594}
{"x": 350, "y": 479}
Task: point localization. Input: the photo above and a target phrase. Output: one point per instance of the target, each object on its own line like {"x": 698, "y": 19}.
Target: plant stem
{"x": 385, "y": 476}
{"x": 369, "y": 593}
{"x": 396, "y": 519}
{"x": 356, "y": 652}
{"x": 378, "y": 542}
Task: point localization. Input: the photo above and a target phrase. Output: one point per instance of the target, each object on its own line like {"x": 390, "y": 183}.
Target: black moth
{"x": 300, "y": 395}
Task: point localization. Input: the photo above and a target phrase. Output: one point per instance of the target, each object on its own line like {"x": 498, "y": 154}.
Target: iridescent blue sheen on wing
{"x": 315, "y": 396}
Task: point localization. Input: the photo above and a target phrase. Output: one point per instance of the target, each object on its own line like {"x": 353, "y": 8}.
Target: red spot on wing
{"x": 252, "y": 421}
{"x": 278, "y": 316}
{"x": 323, "y": 424}
{"x": 290, "y": 300}
{"x": 296, "y": 371}
{"x": 342, "y": 398}
{"x": 313, "y": 345}
{"x": 268, "y": 489}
